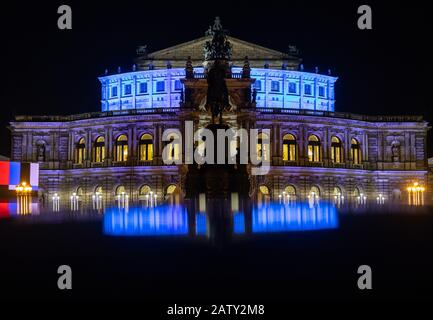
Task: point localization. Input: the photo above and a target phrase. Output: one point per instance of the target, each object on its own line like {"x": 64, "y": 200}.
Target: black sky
{"x": 48, "y": 71}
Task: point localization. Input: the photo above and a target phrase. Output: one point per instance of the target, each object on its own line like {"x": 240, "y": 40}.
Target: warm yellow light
{"x": 23, "y": 188}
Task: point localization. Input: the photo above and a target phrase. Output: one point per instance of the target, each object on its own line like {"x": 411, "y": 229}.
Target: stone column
{"x": 109, "y": 145}
{"x": 325, "y": 146}
{"x": 89, "y": 146}
{"x": 134, "y": 92}
{"x": 301, "y": 145}
{"x": 168, "y": 104}
{"x": 72, "y": 147}
{"x": 364, "y": 146}
{"x": 346, "y": 146}
{"x": 29, "y": 153}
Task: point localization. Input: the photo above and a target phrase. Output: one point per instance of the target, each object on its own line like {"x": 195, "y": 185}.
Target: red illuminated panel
{"x": 4, "y": 210}
{"x": 4, "y": 173}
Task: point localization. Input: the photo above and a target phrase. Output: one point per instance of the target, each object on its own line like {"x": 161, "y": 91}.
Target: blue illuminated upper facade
{"x": 162, "y": 88}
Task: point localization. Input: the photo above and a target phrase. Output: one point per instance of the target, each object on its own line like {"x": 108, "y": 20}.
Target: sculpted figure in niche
{"x": 40, "y": 152}
{"x": 395, "y": 151}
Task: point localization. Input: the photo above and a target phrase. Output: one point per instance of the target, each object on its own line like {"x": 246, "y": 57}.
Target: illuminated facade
{"x": 314, "y": 150}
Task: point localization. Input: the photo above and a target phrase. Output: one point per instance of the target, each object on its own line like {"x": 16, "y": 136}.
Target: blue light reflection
{"x": 173, "y": 220}
{"x": 136, "y": 221}
{"x": 294, "y": 217}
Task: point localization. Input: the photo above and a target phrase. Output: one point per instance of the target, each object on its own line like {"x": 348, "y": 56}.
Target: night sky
{"x": 49, "y": 71}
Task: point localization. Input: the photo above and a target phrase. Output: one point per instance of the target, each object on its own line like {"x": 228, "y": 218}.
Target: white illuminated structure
{"x": 74, "y": 202}
{"x": 361, "y": 199}
{"x": 380, "y": 199}
{"x": 97, "y": 201}
{"x": 416, "y": 194}
{"x": 56, "y": 202}
{"x": 122, "y": 200}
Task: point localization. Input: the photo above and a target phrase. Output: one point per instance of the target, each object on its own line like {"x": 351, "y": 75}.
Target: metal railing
{"x": 343, "y": 115}
{"x": 306, "y": 112}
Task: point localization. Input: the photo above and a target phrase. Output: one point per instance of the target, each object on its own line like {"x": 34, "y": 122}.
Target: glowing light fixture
{"x": 416, "y": 194}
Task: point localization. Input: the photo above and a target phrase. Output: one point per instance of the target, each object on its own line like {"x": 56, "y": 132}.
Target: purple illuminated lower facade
{"x": 381, "y": 168}
{"x": 314, "y": 151}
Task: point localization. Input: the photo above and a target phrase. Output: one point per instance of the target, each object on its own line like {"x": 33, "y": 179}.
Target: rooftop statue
{"x": 219, "y": 47}
{"x": 217, "y": 93}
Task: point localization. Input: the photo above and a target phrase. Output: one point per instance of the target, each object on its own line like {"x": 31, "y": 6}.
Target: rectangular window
{"x": 275, "y": 86}
{"x": 127, "y": 89}
{"x": 143, "y": 87}
{"x": 258, "y": 85}
{"x": 321, "y": 91}
{"x": 160, "y": 86}
{"x": 289, "y": 152}
{"x": 292, "y": 87}
{"x": 177, "y": 85}
{"x": 307, "y": 89}
{"x": 262, "y": 150}
{"x": 114, "y": 91}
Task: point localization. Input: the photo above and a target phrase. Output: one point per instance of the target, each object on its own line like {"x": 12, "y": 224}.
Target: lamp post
{"x": 97, "y": 201}
{"x": 74, "y": 201}
{"x": 380, "y": 199}
{"x": 24, "y": 197}
{"x": 56, "y": 202}
{"x": 415, "y": 194}
{"x": 362, "y": 199}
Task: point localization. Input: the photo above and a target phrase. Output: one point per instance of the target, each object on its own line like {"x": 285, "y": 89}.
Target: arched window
{"x": 264, "y": 189}
{"x": 337, "y": 191}
{"x": 338, "y": 196}
{"x": 263, "y": 148}
{"x": 173, "y": 145}
{"x": 172, "y": 194}
{"x": 145, "y": 146}
{"x": 336, "y": 150}
{"x": 80, "y": 192}
{"x": 355, "y": 151}
{"x": 121, "y": 148}
{"x": 99, "y": 149}
{"x": 80, "y": 151}
{"x": 171, "y": 189}
{"x": 144, "y": 189}
{"x": 356, "y": 193}
{"x": 120, "y": 190}
{"x": 289, "y": 147}
{"x": 315, "y": 191}
{"x": 313, "y": 148}
{"x": 98, "y": 190}
{"x": 264, "y": 195}
{"x": 290, "y": 190}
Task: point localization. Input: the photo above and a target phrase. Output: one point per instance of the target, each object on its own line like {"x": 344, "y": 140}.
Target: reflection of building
{"x": 314, "y": 151}
{"x": 178, "y": 220}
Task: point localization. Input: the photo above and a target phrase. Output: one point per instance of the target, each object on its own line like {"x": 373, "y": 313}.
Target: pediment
{"x": 258, "y": 55}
